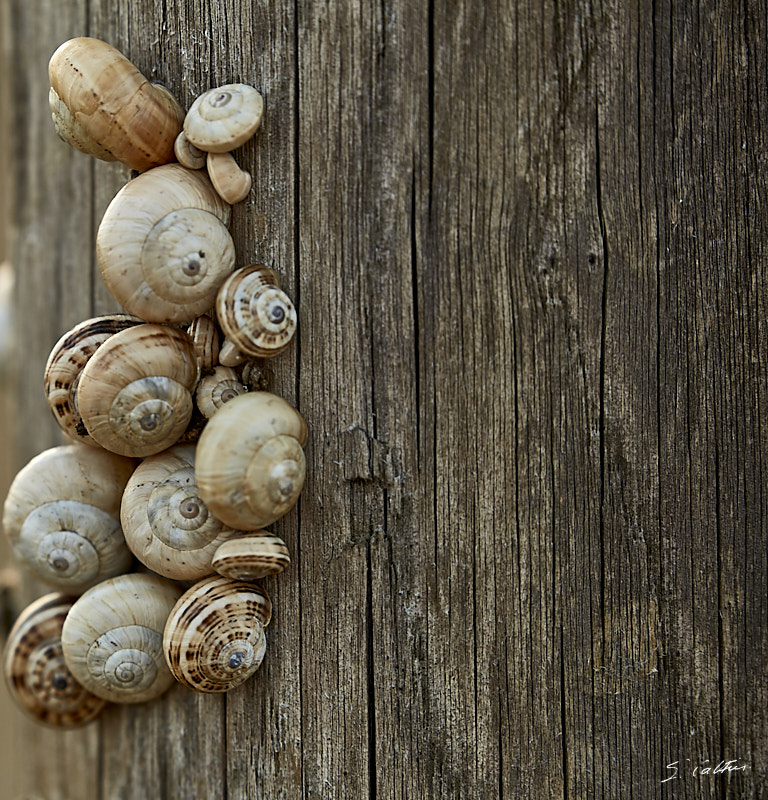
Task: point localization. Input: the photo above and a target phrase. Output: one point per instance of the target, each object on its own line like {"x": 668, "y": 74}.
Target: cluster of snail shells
{"x": 178, "y": 457}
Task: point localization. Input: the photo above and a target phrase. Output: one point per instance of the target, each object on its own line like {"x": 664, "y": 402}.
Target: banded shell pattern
{"x": 251, "y": 556}
{"x": 221, "y": 386}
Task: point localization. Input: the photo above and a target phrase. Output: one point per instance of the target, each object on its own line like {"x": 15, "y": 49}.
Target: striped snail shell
{"x": 135, "y": 392}
{"x": 113, "y": 637}
{"x": 214, "y": 638}
{"x": 221, "y": 386}
{"x": 62, "y": 516}
{"x": 163, "y": 247}
{"x": 166, "y": 524}
{"x": 205, "y": 341}
{"x": 250, "y": 463}
{"x": 65, "y": 363}
{"x": 251, "y": 556}
{"x": 37, "y": 675}
{"x": 257, "y": 317}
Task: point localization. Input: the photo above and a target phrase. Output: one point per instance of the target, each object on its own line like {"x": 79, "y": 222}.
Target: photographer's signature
{"x": 706, "y": 768}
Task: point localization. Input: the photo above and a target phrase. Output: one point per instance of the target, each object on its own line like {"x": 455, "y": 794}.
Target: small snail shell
{"x": 224, "y": 118}
{"x": 251, "y": 556}
{"x": 231, "y": 182}
{"x": 257, "y": 318}
{"x": 113, "y": 637}
{"x": 205, "y": 341}
{"x": 62, "y": 516}
{"x": 135, "y": 391}
{"x": 257, "y": 375}
{"x": 221, "y": 386}
{"x": 214, "y": 638}
{"x": 65, "y": 363}
{"x": 101, "y": 104}
{"x": 166, "y": 524}
{"x": 249, "y": 462}
{"x": 163, "y": 248}
{"x": 187, "y": 154}
{"x": 37, "y": 675}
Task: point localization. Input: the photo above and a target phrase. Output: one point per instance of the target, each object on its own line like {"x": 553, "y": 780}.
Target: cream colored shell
{"x": 249, "y": 463}
{"x": 205, "y": 341}
{"x": 187, "y": 154}
{"x": 224, "y": 118}
{"x": 113, "y": 637}
{"x": 251, "y": 556}
{"x": 166, "y": 524}
{"x": 163, "y": 248}
{"x": 221, "y": 386}
{"x": 36, "y": 673}
{"x": 135, "y": 393}
{"x": 230, "y": 182}
{"x": 62, "y": 516}
{"x": 214, "y": 638}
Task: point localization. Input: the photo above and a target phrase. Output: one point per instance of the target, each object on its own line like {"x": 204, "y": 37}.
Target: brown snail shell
{"x": 163, "y": 247}
{"x": 221, "y": 386}
{"x": 256, "y": 316}
{"x": 249, "y": 463}
{"x": 65, "y": 363}
{"x": 62, "y": 516}
{"x": 37, "y": 675}
{"x": 205, "y": 341}
{"x": 166, "y": 524}
{"x": 102, "y": 105}
{"x": 113, "y": 637}
{"x": 224, "y": 118}
{"x": 214, "y": 638}
{"x": 251, "y": 556}
{"x": 135, "y": 393}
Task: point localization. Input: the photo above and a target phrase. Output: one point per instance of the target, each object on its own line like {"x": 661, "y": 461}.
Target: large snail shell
{"x": 135, "y": 392}
{"x": 37, "y": 675}
{"x": 62, "y": 516}
{"x": 113, "y": 637}
{"x": 214, "y": 638}
{"x": 256, "y": 316}
{"x": 163, "y": 247}
{"x": 249, "y": 463}
{"x": 101, "y": 104}
{"x": 65, "y": 363}
{"x": 166, "y": 524}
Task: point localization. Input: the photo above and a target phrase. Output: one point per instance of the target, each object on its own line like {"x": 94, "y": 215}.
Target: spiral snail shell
{"x": 221, "y": 386}
{"x": 62, "y": 516}
{"x": 163, "y": 247}
{"x": 205, "y": 341}
{"x": 214, "y": 638}
{"x": 223, "y": 118}
{"x": 113, "y": 637}
{"x": 249, "y": 463}
{"x": 135, "y": 392}
{"x": 37, "y": 675}
{"x": 251, "y": 556}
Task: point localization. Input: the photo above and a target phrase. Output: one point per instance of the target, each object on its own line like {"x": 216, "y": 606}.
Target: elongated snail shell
{"x": 163, "y": 247}
{"x": 102, "y": 105}
{"x": 37, "y": 675}
{"x": 205, "y": 341}
{"x": 135, "y": 393}
{"x": 221, "y": 386}
{"x": 65, "y": 363}
{"x": 251, "y": 556}
{"x": 62, "y": 516}
{"x": 113, "y": 637}
{"x": 249, "y": 463}
{"x": 214, "y": 638}
{"x": 258, "y": 318}
{"x": 166, "y": 524}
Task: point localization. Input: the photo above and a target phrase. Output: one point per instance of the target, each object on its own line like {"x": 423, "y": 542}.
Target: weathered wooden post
{"x": 527, "y": 243}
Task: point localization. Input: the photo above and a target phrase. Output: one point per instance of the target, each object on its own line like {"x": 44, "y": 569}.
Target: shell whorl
{"x": 205, "y": 341}
{"x": 113, "y": 637}
{"x": 251, "y": 556}
{"x": 214, "y": 638}
{"x": 216, "y": 389}
{"x": 37, "y": 675}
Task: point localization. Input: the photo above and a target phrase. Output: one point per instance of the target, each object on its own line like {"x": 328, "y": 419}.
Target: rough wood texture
{"x": 527, "y": 244}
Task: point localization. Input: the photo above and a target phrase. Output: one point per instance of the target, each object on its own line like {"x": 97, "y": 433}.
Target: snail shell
{"x": 65, "y": 363}
{"x": 113, "y": 637}
{"x": 187, "y": 154}
{"x": 224, "y": 118}
{"x": 166, "y": 524}
{"x": 231, "y": 182}
{"x": 135, "y": 391}
{"x": 37, "y": 675}
{"x": 221, "y": 386}
{"x": 251, "y": 556}
{"x": 205, "y": 340}
{"x": 62, "y": 516}
{"x": 249, "y": 463}
{"x": 214, "y": 638}
{"x": 163, "y": 247}
{"x": 102, "y": 105}
{"x": 256, "y": 316}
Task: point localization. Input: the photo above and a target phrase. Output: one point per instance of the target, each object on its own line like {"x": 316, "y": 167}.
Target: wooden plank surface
{"x": 526, "y": 241}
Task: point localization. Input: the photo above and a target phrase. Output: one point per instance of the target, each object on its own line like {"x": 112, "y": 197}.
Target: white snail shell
{"x": 135, "y": 393}
{"x": 214, "y": 638}
{"x": 62, "y": 516}
{"x": 187, "y": 154}
{"x": 163, "y": 248}
{"x": 113, "y": 637}
{"x": 221, "y": 386}
{"x": 223, "y": 118}
{"x": 251, "y": 556}
{"x": 230, "y": 182}
{"x": 37, "y": 675}
{"x": 166, "y": 524}
{"x": 249, "y": 463}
